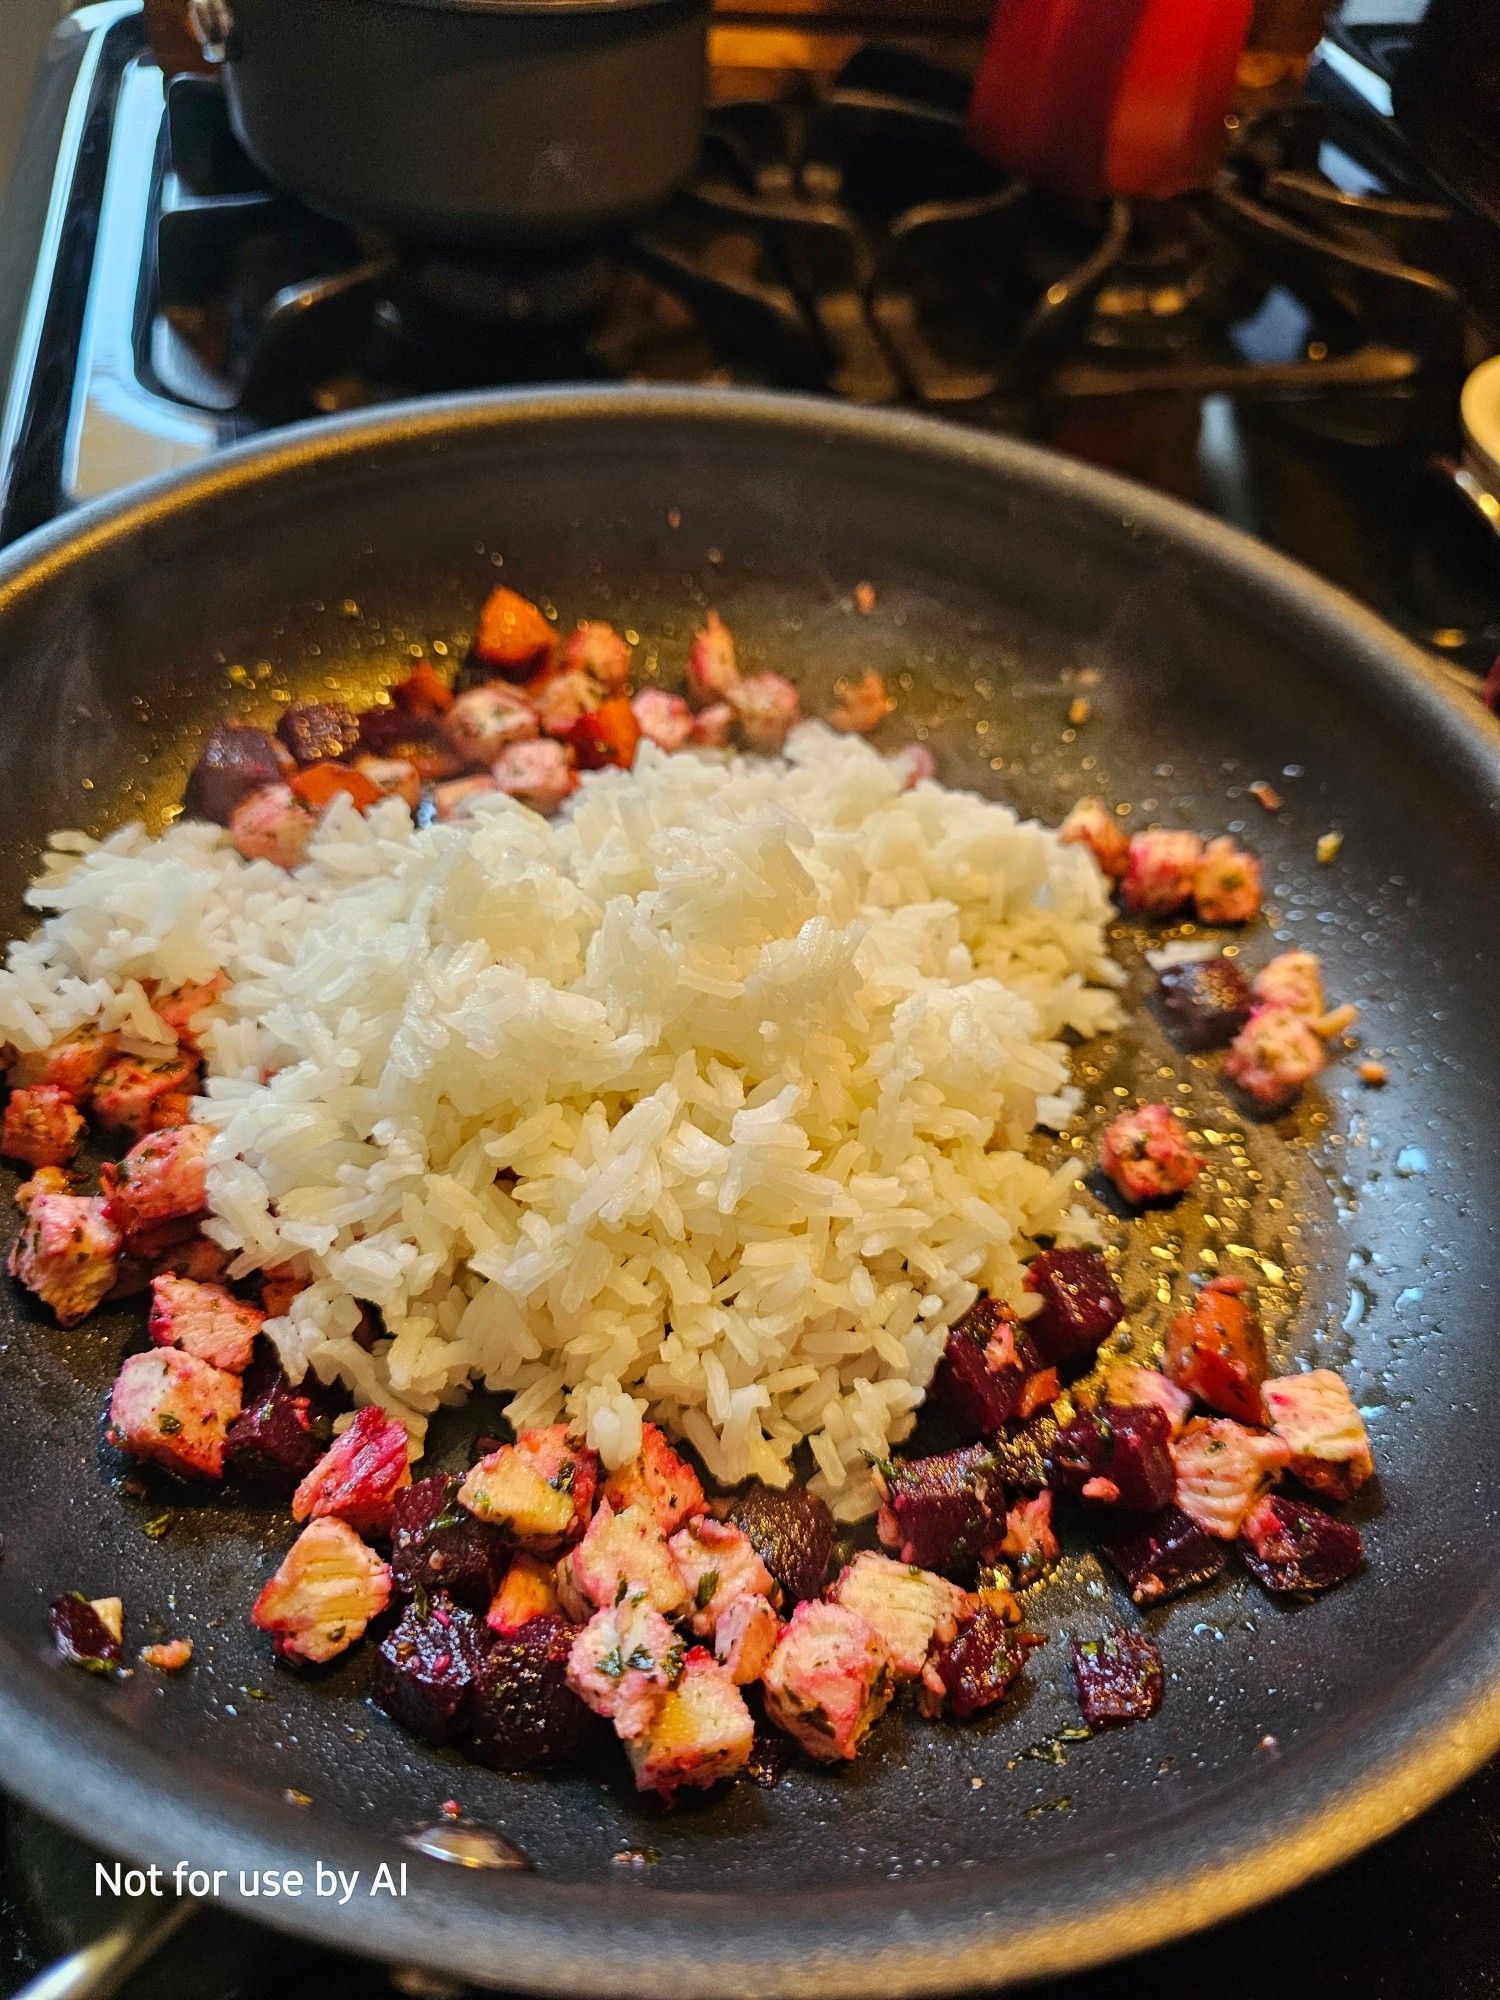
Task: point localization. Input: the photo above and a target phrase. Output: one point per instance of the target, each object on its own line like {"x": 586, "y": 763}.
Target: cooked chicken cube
{"x": 393, "y": 778}
{"x": 484, "y": 720}
{"x": 1030, "y": 1544}
{"x": 174, "y": 1410}
{"x": 621, "y": 1553}
{"x": 1226, "y": 884}
{"x": 205, "y": 1320}
{"x": 907, "y": 1607}
{"x": 713, "y": 726}
{"x": 1160, "y": 868}
{"x": 1222, "y": 1470}
{"x": 624, "y": 1662}
{"x": 914, "y": 763}
{"x": 539, "y": 1490}
{"x": 453, "y": 799}
{"x": 860, "y": 706}
{"x": 527, "y": 1590}
{"x": 563, "y": 699}
{"x": 713, "y": 671}
{"x": 745, "y": 1638}
{"x": 1292, "y": 979}
{"x": 658, "y": 1480}
{"x": 182, "y": 1008}
{"x": 718, "y": 1563}
{"x": 72, "y": 1064}
{"x": 272, "y": 824}
{"x": 766, "y": 706}
{"x": 42, "y": 1126}
{"x": 358, "y": 1477}
{"x": 1274, "y": 1056}
{"x": 701, "y": 1733}
{"x": 136, "y": 1095}
{"x": 68, "y": 1253}
{"x": 46, "y": 1180}
{"x": 1127, "y": 1382}
{"x": 1091, "y": 824}
{"x": 539, "y": 775}
{"x": 159, "y": 1190}
{"x": 663, "y": 719}
{"x": 597, "y": 649}
{"x": 1315, "y": 1418}
{"x": 829, "y": 1680}
{"x": 1146, "y": 1154}
{"x": 328, "y": 1588}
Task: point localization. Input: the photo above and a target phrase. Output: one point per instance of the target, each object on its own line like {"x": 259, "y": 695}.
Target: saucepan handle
{"x": 100, "y": 1968}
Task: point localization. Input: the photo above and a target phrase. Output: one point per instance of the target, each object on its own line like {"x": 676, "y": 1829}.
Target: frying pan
{"x": 1007, "y": 581}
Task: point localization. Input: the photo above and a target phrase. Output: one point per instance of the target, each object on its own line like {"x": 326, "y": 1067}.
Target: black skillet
{"x": 1008, "y": 583}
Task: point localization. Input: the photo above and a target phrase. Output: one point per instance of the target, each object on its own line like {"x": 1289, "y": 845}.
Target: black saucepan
{"x": 947, "y": 1858}
{"x": 466, "y": 122}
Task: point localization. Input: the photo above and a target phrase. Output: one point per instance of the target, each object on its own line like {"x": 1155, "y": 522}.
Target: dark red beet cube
{"x": 236, "y": 761}
{"x": 942, "y": 1512}
{"x": 977, "y": 1665}
{"x": 1080, "y": 1305}
{"x": 1119, "y": 1678}
{"x": 1118, "y": 1453}
{"x": 421, "y": 739}
{"x": 318, "y": 732}
{"x": 80, "y": 1636}
{"x": 1022, "y": 1450}
{"x": 426, "y": 1667}
{"x": 523, "y": 1712}
{"x": 1290, "y": 1545}
{"x": 982, "y": 1371}
{"x": 438, "y": 1545}
{"x": 1163, "y": 1554}
{"x": 1207, "y": 1002}
{"x": 281, "y": 1432}
{"x": 790, "y": 1529}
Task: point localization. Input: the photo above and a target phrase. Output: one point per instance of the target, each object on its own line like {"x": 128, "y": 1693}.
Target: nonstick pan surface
{"x": 1008, "y": 582}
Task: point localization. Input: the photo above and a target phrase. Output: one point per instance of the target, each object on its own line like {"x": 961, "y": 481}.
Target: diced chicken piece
{"x": 1315, "y": 1418}
{"x": 1217, "y": 1352}
{"x": 1029, "y": 1541}
{"x": 453, "y": 799}
{"x": 110, "y": 1611}
{"x": 1146, "y": 1154}
{"x": 540, "y": 775}
{"x": 663, "y": 719}
{"x": 766, "y": 708}
{"x": 132, "y": 1094}
{"x": 68, "y": 1253}
{"x": 204, "y": 1320}
{"x": 861, "y": 706}
{"x": 41, "y": 1126}
{"x": 713, "y": 726}
{"x": 182, "y": 1007}
{"x": 328, "y": 1588}
{"x": 174, "y": 1410}
{"x": 713, "y": 672}
{"x": 416, "y": 737}
{"x": 907, "y": 1607}
{"x": 624, "y": 1663}
{"x": 605, "y": 736}
{"x": 168, "y": 1656}
{"x": 483, "y": 721}
{"x": 829, "y": 1680}
{"x": 622, "y": 1553}
{"x": 1091, "y": 824}
{"x": 745, "y": 1638}
{"x": 701, "y": 1734}
{"x": 563, "y": 699}
{"x": 659, "y": 1481}
{"x": 236, "y": 761}
{"x": 1159, "y": 870}
{"x": 512, "y": 637}
{"x": 196, "y": 1258}
{"x": 72, "y": 1065}
{"x": 527, "y": 1590}
{"x": 393, "y": 778}
{"x": 46, "y": 1180}
{"x": 718, "y": 1563}
{"x": 913, "y": 763}
{"x": 597, "y": 649}
{"x": 159, "y": 1190}
{"x": 539, "y": 1490}
{"x": 1127, "y": 1382}
{"x": 318, "y": 732}
{"x": 1292, "y": 979}
{"x": 272, "y": 824}
{"x": 1222, "y": 1470}
{"x": 1227, "y": 884}
{"x": 358, "y": 1477}
{"x": 1274, "y": 1056}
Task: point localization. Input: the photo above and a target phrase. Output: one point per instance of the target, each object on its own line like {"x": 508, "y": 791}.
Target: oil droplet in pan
{"x": 467, "y": 1846}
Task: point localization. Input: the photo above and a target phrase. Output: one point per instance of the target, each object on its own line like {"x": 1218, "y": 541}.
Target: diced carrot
{"x": 423, "y": 692}
{"x": 608, "y": 734}
{"x": 318, "y": 783}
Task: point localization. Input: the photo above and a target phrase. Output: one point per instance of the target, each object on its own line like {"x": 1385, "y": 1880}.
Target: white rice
{"x": 703, "y": 1102}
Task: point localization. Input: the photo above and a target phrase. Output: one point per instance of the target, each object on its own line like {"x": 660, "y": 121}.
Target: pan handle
{"x": 100, "y": 1968}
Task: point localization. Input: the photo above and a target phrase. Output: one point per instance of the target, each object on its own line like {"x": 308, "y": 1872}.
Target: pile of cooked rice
{"x": 705, "y": 1101}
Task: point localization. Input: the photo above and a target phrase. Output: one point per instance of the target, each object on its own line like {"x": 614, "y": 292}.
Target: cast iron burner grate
{"x": 845, "y": 241}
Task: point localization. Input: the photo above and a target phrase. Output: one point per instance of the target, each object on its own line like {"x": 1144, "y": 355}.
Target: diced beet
{"x": 421, "y": 740}
{"x": 973, "y": 1669}
{"x": 82, "y": 1637}
{"x": 1081, "y": 1306}
{"x": 437, "y": 1545}
{"x": 790, "y": 1529}
{"x": 1290, "y": 1545}
{"x": 945, "y": 1511}
{"x": 1120, "y": 1446}
{"x": 1119, "y": 1678}
{"x": 983, "y": 1369}
{"x": 426, "y": 1668}
{"x": 236, "y": 761}
{"x": 523, "y": 1712}
{"x": 1163, "y": 1554}
{"x": 319, "y": 731}
{"x": 1208, "y": 1001}
{"x": 1022, "y": 1449}
{"x": 281, "y": 1431}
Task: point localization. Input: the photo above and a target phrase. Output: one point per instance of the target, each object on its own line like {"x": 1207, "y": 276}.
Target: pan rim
{"x": 1337, "y": 1797}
